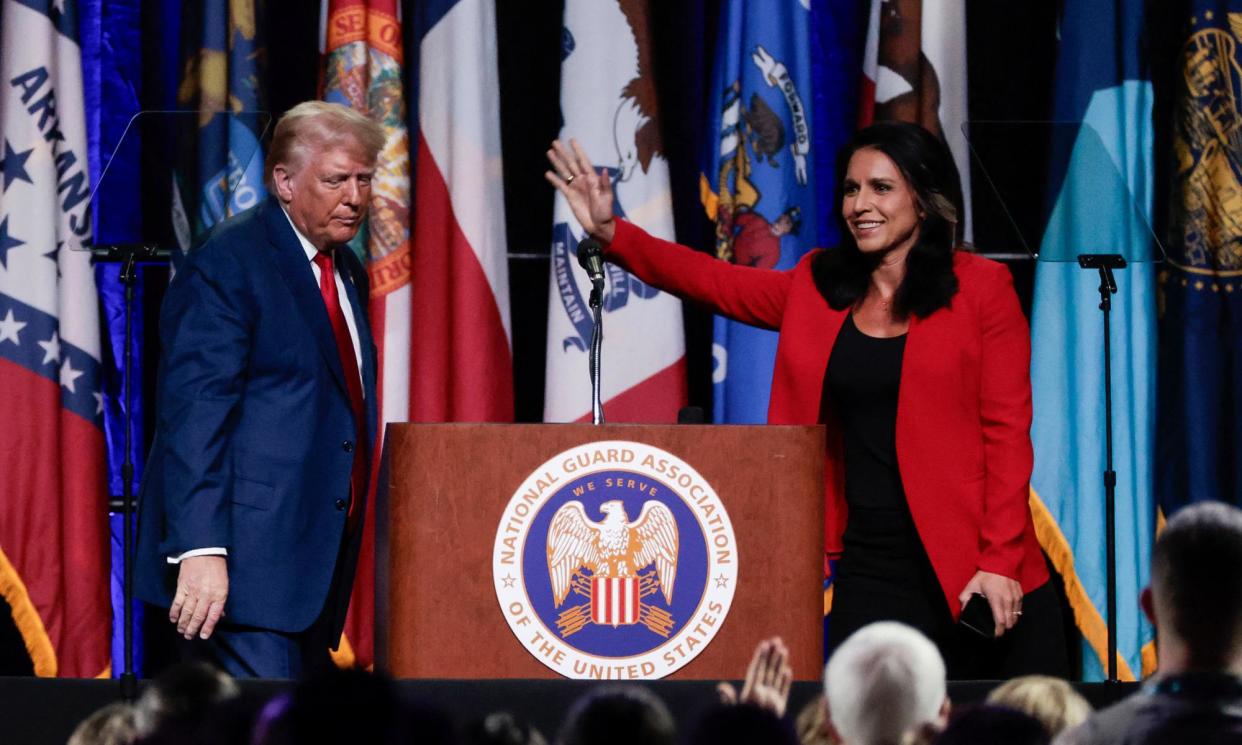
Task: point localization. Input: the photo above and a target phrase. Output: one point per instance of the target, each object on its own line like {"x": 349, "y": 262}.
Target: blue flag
{"x": 762, "y": 182}
{"x": 1103, "y": 200}
{"x": 112, "y": 85}
{"x": 222, "y": 173}
{"x": 1200, "y": 404}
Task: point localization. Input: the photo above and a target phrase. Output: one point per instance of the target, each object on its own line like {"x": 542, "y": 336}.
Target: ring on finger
{"x": 571, "y": 178}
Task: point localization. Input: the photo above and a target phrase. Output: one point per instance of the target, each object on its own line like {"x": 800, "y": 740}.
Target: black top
{"x": 880, "y": 544}
{"x": 862, "y": 380}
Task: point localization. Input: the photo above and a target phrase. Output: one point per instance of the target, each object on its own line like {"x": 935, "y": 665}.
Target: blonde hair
{"x": 1052, "y": 701}
{"x": 111, "y": 725}
{"x": 313, "y": 125}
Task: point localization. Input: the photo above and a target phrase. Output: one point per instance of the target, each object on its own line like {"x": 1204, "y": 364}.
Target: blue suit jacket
{"x": 254, "y": 439}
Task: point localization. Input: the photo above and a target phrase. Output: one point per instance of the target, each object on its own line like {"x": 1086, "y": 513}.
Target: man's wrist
{"x": 208, "y": 551}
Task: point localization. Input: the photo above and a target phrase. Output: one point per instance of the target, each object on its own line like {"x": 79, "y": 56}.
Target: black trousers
{"x": 905, "y": 589}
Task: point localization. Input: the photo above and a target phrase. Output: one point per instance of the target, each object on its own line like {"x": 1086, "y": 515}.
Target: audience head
{"x": 181, "y": 702}
{"x": 812, "y": 722}
{"x": 618, "y": 715}
{"x": 110, "y": 725}
{"x": 1050, "y": 700}
{"x": 502, "y": 728}
{"x": 993, "y": 725}
{"x": 1195, "y": 598}
{"x": 883, "y": 680}
{"x": 743, "y": 724}
{"x": 348, "y": 706}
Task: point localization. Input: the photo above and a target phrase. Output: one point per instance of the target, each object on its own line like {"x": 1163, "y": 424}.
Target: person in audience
{"x": 993, "y": 725}
{"x": 348, "y": 706}
{"x": 181, "y": 702}
{"x": 1195, "y": 603}
{"x": 502, "y": 728}
{"x": 740, "y": 724}
{"x": 618, "y": 715}
{"x": 110, "y": 725}
{"x": 811, "y": 724}
{"x": 1052, "y": 701}
{"x": 767, "y": 681}
{"x": 885, "y": 679}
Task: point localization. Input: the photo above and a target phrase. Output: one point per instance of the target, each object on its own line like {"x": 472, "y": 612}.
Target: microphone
{"x": 591, "y": 258}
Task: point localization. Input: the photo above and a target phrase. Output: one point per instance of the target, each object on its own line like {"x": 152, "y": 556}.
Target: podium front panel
{"x": 445, "y": 488}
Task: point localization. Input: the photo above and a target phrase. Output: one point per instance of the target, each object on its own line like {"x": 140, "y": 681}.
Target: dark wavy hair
{"x": 842, "y": 274}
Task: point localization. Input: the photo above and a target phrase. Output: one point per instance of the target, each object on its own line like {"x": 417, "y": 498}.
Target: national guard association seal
{"x": 615, "y": 560}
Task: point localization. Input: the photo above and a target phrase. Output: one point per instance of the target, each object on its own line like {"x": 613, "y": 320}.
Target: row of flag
{"x": 789, "y": 83}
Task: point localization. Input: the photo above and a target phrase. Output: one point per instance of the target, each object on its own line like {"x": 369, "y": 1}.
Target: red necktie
{"x": 349, "y": 363}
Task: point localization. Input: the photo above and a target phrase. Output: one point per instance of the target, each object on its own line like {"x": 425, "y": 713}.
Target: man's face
{"x": 327, "y": 193}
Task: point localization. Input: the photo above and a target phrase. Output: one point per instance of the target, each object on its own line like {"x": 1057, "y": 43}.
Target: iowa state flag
{"x": 53, "y": 524}
{"x": 609, "y": 104}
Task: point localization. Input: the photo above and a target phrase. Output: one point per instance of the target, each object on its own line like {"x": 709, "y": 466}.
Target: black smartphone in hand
{"x": 977, "y": 616}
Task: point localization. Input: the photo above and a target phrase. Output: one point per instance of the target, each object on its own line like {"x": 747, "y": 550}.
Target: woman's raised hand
{"x": 589, "y": 193}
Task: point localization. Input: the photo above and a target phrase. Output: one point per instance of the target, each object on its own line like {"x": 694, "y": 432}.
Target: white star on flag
{"x": 9, "y": 327}
{"x": 98, "y": 402}
{"x": 59, "y": 5}
{"x": 51, "y": 348}
{"x": 68, "y": 375}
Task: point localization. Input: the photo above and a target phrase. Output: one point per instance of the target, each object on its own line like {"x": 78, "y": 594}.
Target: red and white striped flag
{"x": 611, "y": 108}
{"x": 914, "y": 70}
{"x": 614, "y": 600}
{"x": 461, "y": 354}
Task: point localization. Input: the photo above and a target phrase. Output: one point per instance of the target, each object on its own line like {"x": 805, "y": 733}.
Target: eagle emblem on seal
{"x": 618, "y": 554}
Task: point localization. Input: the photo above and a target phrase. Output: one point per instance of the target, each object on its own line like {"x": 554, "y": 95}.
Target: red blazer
{"x": 963, "y": 410}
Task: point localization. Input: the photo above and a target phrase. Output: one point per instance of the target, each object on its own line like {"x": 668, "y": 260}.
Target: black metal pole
{"x": 129, "y": 680}
{"x": 1105, "y": 263}
{"x": 597, "y": 353}
{"x": 1107, "y": 287}
{"x": 128, "y": 255}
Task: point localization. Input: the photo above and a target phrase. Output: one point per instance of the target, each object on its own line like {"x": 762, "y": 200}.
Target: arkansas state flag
{"x": 53, "y": 527}
{"x": 608, "y": 101}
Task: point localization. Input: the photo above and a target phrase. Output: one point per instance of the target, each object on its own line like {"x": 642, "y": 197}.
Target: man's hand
{"x": 202, "y": 588}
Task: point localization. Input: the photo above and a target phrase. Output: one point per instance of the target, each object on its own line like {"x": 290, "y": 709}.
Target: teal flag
{"x": 1101, "y": 206}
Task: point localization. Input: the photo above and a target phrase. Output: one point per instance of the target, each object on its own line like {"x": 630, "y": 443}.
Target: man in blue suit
{"x": 251, "y": 510}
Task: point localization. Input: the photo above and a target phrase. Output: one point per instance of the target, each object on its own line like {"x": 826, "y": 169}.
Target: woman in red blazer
{"x": 916, "y": 358}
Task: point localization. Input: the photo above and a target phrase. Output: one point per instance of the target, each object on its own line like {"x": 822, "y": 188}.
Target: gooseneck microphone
{"x": 591, "y": 258}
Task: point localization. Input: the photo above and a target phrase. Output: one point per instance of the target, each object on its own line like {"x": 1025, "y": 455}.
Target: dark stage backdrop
{"x": 1011, "y": 66}
{"x": 1010, "y": 72}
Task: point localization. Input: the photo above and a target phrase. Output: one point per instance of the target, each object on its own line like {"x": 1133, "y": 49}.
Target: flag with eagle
{"x": 612, "y": 110}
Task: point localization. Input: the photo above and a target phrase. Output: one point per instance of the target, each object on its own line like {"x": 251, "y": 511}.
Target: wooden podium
{"x": 445, "y": 487}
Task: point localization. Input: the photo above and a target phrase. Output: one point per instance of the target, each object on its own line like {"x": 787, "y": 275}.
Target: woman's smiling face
{"x": 878, "y": 204}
